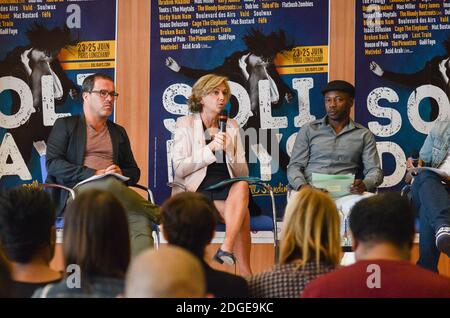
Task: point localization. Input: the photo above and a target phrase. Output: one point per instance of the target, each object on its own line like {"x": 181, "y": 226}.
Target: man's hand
{"x": 376, "y": 69}
{"x": 358, "y": 187}
{"x": 172, "y": 64}
{"x": 409, "y": 169}
{"x": 113, "y": 169}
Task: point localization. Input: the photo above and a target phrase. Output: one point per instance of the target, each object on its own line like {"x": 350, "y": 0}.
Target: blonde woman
{"x": 310, "y": 246}
{"x": 204, "y": 156}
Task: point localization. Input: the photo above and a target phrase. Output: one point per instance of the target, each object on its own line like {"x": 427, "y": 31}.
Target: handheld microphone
{"x": 223, "y": 117}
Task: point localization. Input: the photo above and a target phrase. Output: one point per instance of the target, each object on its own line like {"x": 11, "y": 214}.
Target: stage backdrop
{"x": 402, "y": 71}
{"x": 46, "y": 51}
{"x": 283, "y": 46}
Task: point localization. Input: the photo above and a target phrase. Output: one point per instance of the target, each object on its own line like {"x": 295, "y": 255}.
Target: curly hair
{"x": 205, "y": 85}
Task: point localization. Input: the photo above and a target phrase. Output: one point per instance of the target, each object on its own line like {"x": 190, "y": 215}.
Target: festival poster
{"x": 47, "y": 49}
{"x": 275, "y": 54}
{"x": 402, "y": 75}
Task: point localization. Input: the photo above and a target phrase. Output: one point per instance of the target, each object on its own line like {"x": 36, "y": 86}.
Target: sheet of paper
{"x": 99, "y": 176}
{"x": 337, "y": 185}
{"x": 440, "y": 172}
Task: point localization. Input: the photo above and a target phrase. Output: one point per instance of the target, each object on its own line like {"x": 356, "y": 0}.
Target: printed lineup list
{"x": 13, "y": 10}
{"x": 398, "y": 26}
{"x": 197, "y": 24}
{"x": 87, "y": 54}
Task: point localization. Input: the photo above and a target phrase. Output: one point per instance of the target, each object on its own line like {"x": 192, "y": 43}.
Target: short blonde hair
{"x": 310, "y": 229}
{"x": 203, "y": 87}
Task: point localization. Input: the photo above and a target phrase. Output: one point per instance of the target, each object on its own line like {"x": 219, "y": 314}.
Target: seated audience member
{"x": 334, "y": 145}
{"x": 310, "y": 246}
{"x": 189, "y": 221}
{"x": 28, "y": 236}
{"x": 5, "y": 277}
{"x": 170, "y": 272}
{"x": 431, "y": 197}
{"x": 96, "y": 248}
{"x": 382, "y": 227}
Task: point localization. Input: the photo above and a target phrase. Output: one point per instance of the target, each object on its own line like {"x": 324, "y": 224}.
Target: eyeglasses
{"x": 104, "y": 93}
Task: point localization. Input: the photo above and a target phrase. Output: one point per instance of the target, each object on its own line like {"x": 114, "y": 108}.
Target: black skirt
{"x": 215, "y": 175}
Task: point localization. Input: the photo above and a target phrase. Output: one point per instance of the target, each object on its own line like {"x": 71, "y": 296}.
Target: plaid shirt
{"x": 284, "y": 280}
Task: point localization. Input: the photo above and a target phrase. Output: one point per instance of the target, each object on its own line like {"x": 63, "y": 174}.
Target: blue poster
{"x": 275, "y": 55}
{"x": 402, "y": 75}
{"x": 47, "y": 49}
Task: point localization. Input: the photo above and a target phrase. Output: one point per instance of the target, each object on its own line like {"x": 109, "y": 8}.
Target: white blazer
{"x": 191, "y": 156}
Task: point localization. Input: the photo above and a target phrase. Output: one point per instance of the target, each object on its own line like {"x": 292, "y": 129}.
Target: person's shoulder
{"x": 117, "y": 127}
{"x": 363, "y": 130}
{"x": 50, "y": 290}
{"x": 69, "y": 121}
{"x": 224, "y": 284}
{"x": 228, "y": 277}
{"x": 313, "y": 125}
{"x": 329, "y": 282}
{"x": 428, "y": 275}
{"x": 441, "y": 126}
{"x": 113, "y": 124}
{"x": 360, "y": 126}
{"x": 232, "y": 123}
{"x": 186, "y": 120}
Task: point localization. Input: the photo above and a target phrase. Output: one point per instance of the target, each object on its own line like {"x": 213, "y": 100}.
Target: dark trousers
{"x": 432, "y": 201}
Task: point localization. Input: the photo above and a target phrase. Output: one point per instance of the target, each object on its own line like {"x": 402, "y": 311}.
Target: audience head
{"x": 96, "y": 235}
{"x": 27, "y": 218}
{"x": 385, "y": 218}
{"x": 310, "y": 229}
{"x": 189, "y": 220}
{"x": 170, "y": 272}
{"x": 205, "y": 85}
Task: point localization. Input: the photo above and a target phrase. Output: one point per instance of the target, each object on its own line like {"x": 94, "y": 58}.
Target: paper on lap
{"x": 337, "y": 185}
{"x": 99, "y": 176}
